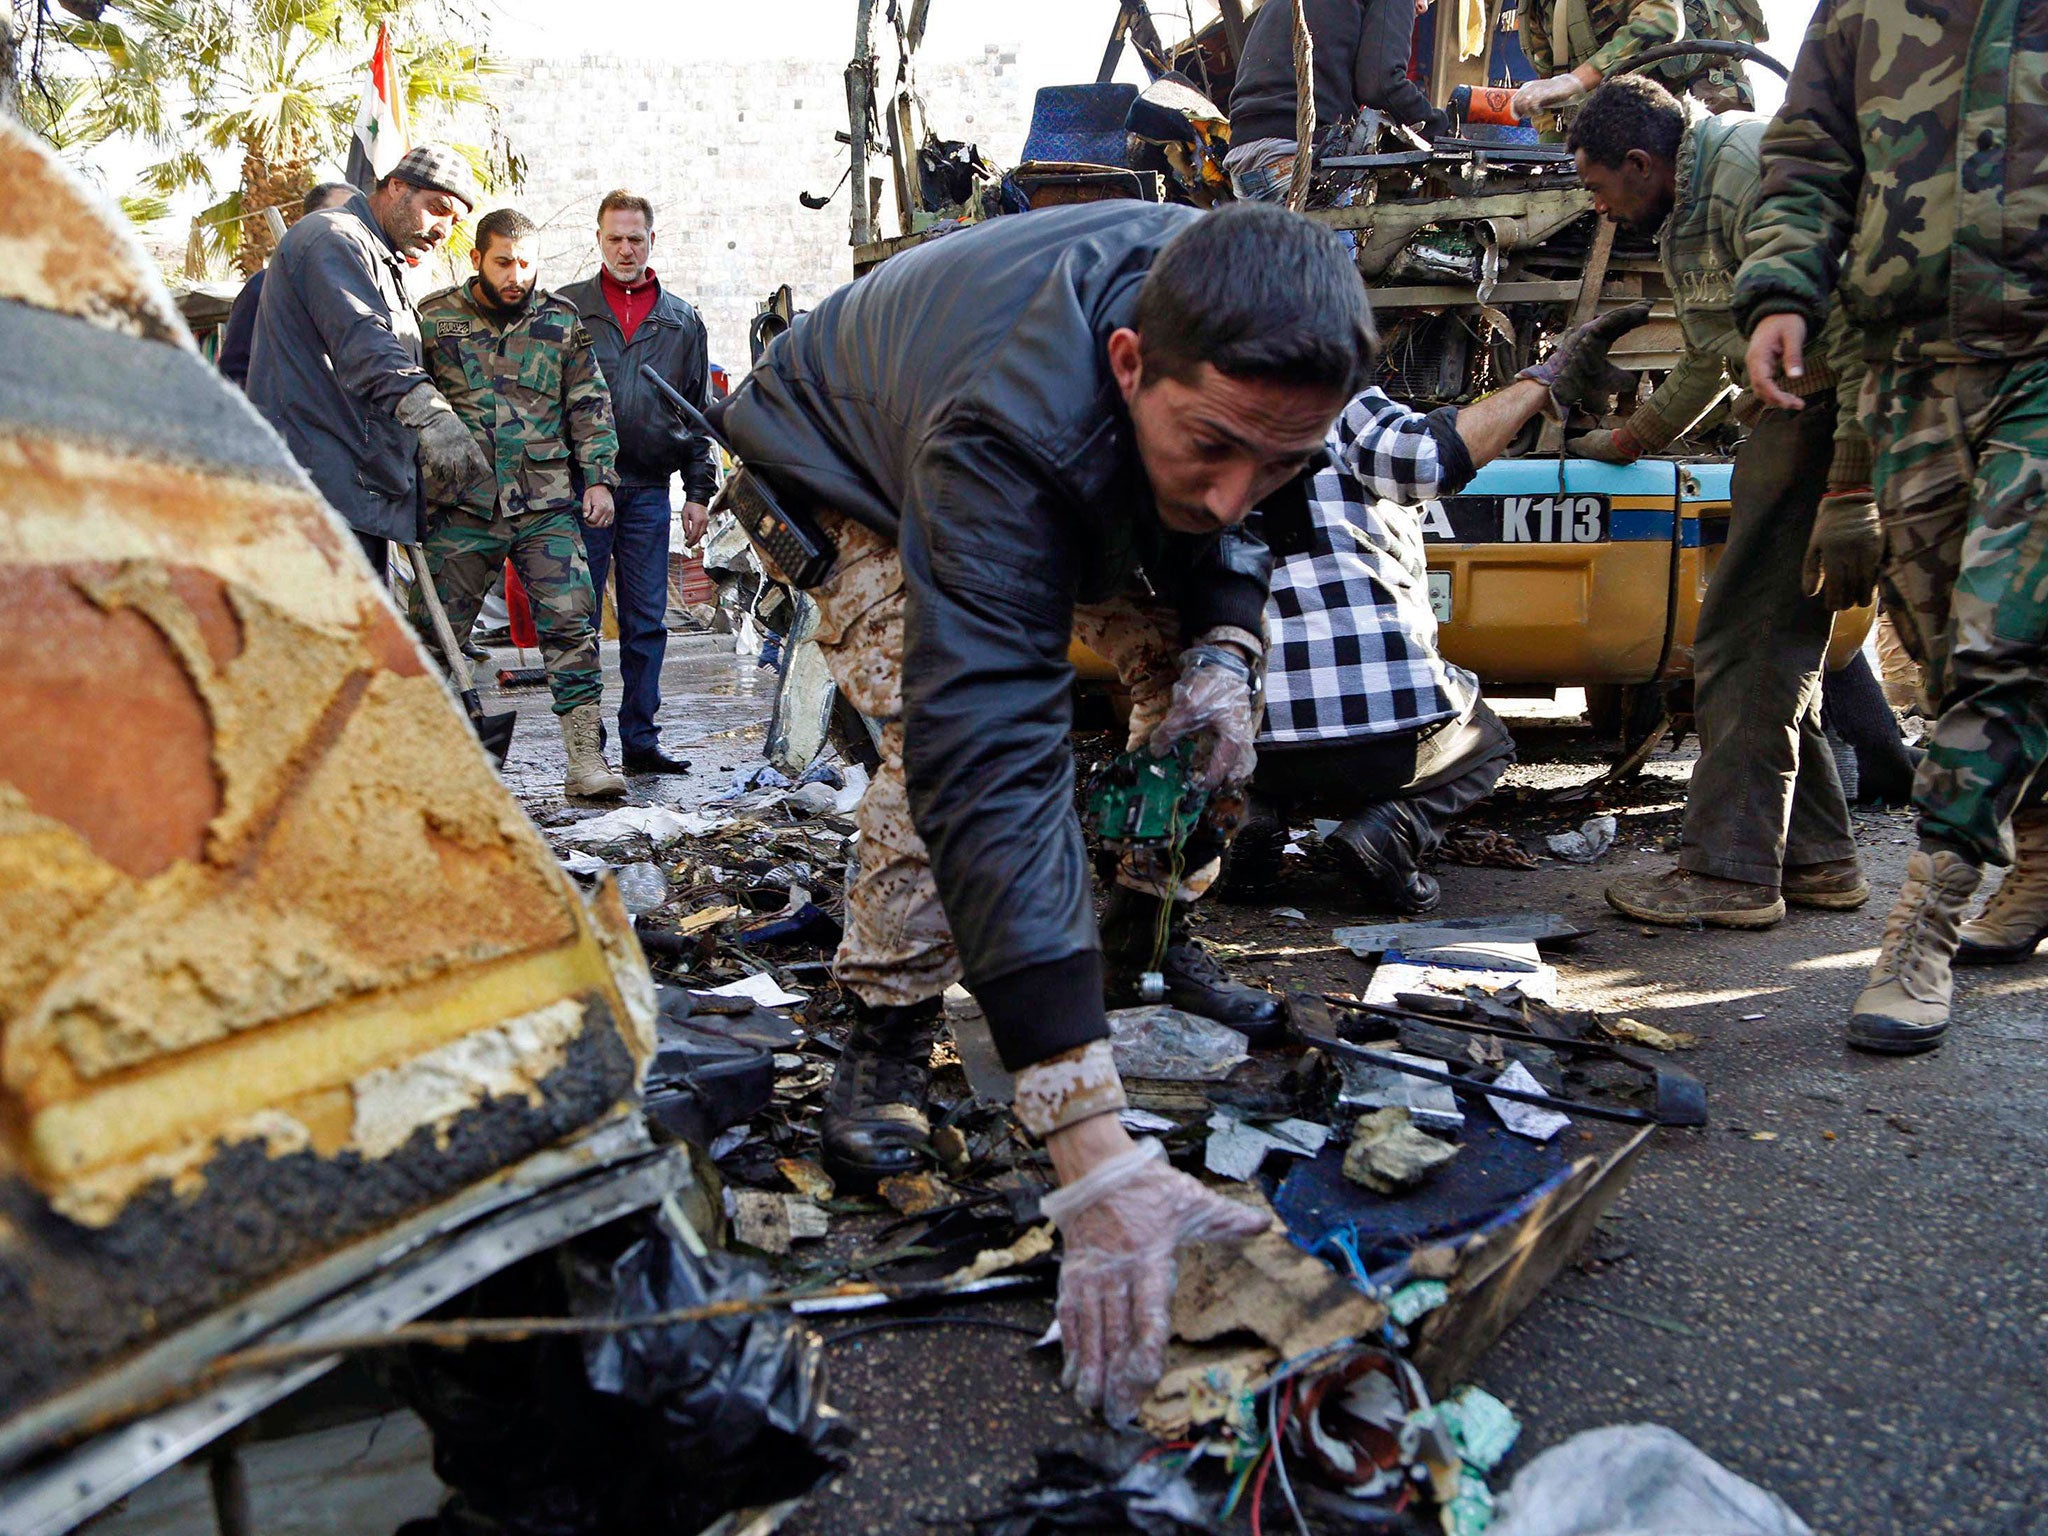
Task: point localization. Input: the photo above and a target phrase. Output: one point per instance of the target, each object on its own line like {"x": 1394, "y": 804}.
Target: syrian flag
{"x": 380, "y": 135}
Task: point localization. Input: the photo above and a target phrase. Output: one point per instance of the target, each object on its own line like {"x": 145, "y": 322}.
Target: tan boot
{"x": 2015, "y": 919}
{"x": 588, "y": 777}
{"x": 1679, "y": 898}
{"x": 1904, "y": 1006}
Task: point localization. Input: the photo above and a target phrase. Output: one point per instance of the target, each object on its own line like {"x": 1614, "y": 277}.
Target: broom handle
{"x": 423, "y": 582}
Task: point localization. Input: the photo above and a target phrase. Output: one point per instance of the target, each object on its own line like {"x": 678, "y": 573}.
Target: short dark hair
{"x": 620, "y": 200}
{"x": 326, "y": 194}
{"x": 1631, "y": 112}
{"x": 1259, "y": 293}
{"x": 509, "y": 222}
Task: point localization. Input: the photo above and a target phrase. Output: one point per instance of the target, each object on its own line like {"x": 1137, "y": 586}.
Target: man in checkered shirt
{"x": 1365, "y": 720}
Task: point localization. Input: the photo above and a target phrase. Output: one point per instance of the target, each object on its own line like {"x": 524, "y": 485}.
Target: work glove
{"x": 1552, "y": 95}
{"x": 1215, "y": 699}
{"x": 449, "y": 457}
{"x": 1618, "y": 446}
{"x": 1843, "y": 555}
{"x": 1577, "y": 368}
{"x": 1121, "y": 1223}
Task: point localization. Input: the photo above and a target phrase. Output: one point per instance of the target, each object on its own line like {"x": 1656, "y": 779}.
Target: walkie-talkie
{"x": 800, "y": 549}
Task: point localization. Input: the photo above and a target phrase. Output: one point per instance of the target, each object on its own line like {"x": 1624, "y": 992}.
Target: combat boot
{"x": 874, "y": 1124}
{"x": 1132, "y": 926}
{"x": 1905, "y": 1004}
{"x": 1381, "y": 849}
{"x": 2015, "y": 919}
{"x": 588, "y": 778}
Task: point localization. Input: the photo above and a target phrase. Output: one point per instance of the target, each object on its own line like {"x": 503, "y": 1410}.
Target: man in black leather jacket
{"x": 1048, "y": 425}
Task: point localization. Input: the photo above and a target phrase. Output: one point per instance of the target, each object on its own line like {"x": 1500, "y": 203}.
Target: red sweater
{"x": 630, "y": 305}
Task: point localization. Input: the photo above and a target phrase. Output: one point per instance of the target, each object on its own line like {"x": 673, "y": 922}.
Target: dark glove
{"x": 1618, "y": 446}
{"x": 1843, "y": 555}
{"x": 450, "y": 460}
{"x": 1577, "y": 367}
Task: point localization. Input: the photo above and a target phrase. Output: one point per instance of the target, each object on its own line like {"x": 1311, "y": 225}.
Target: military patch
{"x": 451, "y": 327}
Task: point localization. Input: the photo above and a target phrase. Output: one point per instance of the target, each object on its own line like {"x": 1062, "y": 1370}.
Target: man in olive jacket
{"x": 1906, "y": 180}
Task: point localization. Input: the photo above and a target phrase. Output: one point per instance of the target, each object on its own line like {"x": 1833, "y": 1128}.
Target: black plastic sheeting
{"x": 655, "y": 1431}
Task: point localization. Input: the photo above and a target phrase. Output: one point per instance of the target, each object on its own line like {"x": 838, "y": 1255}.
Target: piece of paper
{"x": 588, "y": 865}
{"x": 1393, "y": 977}
{"x": 762, "y": 988}
{"x": 1236, "y": 1150}
{"x": 1371, "y": 1086}
{"x": 1530, "y": 1120}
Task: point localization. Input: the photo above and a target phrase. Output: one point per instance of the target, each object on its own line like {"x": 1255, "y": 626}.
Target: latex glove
{"x": 1547, "y": 95}
{"x": 449, "y": 456}
{"x": 1577, "y": 366}
{"x": 1121, "y": 1223}
{"x": 1843, "y": 555}
{"x": 1213, "y": 699}
{"x": 1618, "y": 446}
{"x": 598, "y": 507}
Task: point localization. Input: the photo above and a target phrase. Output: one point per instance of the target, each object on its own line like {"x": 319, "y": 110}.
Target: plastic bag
{"x": 1638, "y": 1480}
{"x": 1162, "y": 1042}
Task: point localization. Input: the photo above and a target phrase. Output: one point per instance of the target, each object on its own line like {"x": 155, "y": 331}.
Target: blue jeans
{"x": 639, "y": 537}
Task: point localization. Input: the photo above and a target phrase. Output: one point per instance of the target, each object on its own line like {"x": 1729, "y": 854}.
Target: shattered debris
{"x": 1587, "y": 844}
{"x": 1388, "y": 1154}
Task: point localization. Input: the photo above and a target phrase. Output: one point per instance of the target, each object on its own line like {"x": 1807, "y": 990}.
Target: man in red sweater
{"x": 634, "y": 321}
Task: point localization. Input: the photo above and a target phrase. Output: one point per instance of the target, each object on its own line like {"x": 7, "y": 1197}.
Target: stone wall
{"x": 722, "y": 149}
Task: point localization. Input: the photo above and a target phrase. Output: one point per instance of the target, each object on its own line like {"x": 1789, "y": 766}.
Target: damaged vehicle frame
{"x": 1547, "y": 571}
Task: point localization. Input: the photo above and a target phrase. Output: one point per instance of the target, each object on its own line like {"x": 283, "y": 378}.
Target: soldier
{"x": 516, "y": 364}
{"x": 1575, "y": 44}
{"x": 1766, "y": 821}
{"x": 1903, "y": 176}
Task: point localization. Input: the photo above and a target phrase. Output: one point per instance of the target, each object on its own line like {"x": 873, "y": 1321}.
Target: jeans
{"x": 638, "y": 537}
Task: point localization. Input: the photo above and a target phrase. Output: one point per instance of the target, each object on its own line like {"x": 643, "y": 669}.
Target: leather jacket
{"x": 652, "y": 444}
{"x": 958, "y": 399}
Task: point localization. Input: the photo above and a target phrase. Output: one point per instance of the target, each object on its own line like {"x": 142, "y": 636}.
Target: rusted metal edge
{"x": 149, "y": 1376}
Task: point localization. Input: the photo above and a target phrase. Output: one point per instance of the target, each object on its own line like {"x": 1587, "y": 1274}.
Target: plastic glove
{"x": 449, "y": 456}
{"x": 1577, "y": 366}
{"x": 1618, "y": 446}
{"x": 1843, "y": 555}
{"x": 1121, "y": 1223}
{"x": 1214, "y": 698}
{"x": 1550, "y": 95}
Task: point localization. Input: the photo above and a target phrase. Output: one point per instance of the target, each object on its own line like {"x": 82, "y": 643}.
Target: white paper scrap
{"x": 1235, "y": 1150}
{"x": 587, "y": 865}
{"x": 1431, "y": 1105}
{"x": 1528, "y": 1120}
{"x": 762, "y": 988}
{"x": 1143, "y": 1120}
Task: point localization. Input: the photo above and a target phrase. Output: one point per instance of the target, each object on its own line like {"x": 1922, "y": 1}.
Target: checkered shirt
{"x": 1352, "y": 640}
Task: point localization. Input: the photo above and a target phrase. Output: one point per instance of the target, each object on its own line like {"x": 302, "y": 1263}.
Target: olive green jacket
{"x": 1702, "y": 246}
{"x": 1907, "y": 173}
{"x": 529, "y": 390}
{"x": 1558, "y": 35}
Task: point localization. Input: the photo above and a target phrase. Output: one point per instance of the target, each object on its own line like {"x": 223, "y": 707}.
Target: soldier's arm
{"x": 1649, "y": 23}
{"x": 587, "y": 407}
{"x": 1678, "y": 402}
{"x": 1812, "y": 173}
{"x": 339, "y": 285}
{"x": 1850, "y": 467}
{"x": 1534, "y": 27}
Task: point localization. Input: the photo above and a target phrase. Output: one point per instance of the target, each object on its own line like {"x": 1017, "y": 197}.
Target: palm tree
{"x": 273, "y": 82}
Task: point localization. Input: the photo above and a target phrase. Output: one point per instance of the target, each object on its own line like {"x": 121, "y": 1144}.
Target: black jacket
{"x": 337, "y": 347}
{"x": 1361, "y": 59}
{"x": 959, "y": 400}
{"x": 238, "y": 337}
{"x": 652, "y": 446}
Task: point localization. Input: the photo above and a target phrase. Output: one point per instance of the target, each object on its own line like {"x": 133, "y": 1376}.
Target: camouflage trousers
{"x": 465, "y": 553}
{"x": 898, "y": 947}
{"x": 1961, "y": 475}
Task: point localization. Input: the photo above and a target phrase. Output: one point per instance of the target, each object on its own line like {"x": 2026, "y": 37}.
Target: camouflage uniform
{"x": 898, "y": 948}
{"x": 529, "y": 390}
{"x": 1561, "y": 35}
{"x": 1914, "y": 143}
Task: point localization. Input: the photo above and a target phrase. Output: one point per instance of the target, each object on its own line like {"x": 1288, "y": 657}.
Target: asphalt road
{"x": 1838, "y": 1289}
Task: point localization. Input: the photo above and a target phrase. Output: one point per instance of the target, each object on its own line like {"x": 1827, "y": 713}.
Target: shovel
{"x": 494, "y": 731}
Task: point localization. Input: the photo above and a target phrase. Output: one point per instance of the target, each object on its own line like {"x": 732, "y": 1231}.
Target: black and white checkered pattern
{"x": 1352, "y": 641}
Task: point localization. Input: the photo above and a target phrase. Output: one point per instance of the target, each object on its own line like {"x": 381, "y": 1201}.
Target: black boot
{"x": 1194, "y": 982}
{"x": 1381, "y": 851}
{"x": 874, "y": 1124}
{"x": 1251, "y": 867}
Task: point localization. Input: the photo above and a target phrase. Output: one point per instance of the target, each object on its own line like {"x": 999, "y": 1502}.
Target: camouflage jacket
{"x": 529, "y": 390}
{"x": 1914, "y": 144}
{"x": 1611, "y": 32}
{"x": 1701, "y": 246}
